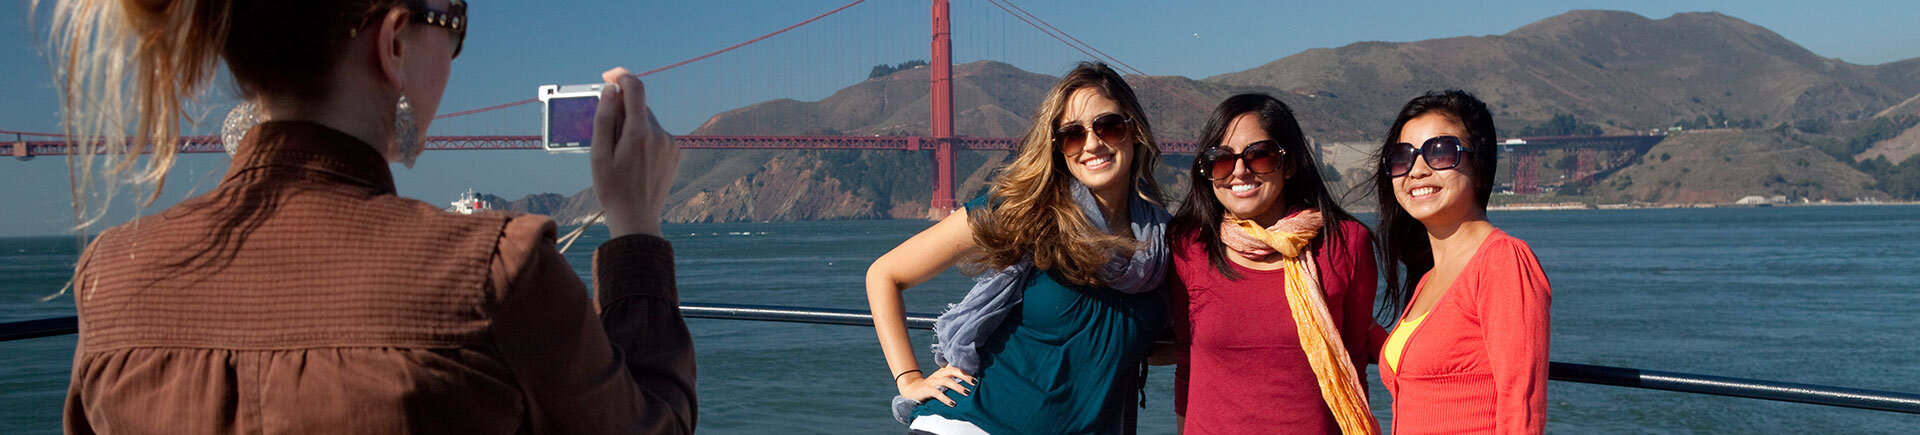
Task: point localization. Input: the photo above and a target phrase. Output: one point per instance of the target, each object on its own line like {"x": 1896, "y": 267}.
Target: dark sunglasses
{"x": 454, "y": 19}
{"x": 1263, "y": 157}
{"x": 1072, "y": 137}
{"x": 1442, "y": 153}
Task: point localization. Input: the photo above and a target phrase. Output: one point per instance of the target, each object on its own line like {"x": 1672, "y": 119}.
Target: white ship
{"x": 469, "y": 203}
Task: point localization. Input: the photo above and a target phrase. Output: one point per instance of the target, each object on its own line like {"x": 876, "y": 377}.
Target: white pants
{"x": 944, "y": 426}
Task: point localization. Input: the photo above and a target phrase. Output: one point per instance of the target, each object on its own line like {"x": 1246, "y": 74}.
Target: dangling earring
{"x": 406, "y": 135}
{"x": 239, "y": 121}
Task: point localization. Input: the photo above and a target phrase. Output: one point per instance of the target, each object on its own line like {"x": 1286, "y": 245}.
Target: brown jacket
{"x": 303, "y": 296}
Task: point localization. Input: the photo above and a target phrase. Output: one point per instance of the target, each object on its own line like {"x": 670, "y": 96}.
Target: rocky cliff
{"x": 786, "y": 188}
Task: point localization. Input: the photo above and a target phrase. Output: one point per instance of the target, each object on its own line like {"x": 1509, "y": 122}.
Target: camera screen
{"x": 570, "y": 121}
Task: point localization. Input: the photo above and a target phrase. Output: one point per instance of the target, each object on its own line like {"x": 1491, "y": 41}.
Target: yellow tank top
{"x": 1397, "y": 343}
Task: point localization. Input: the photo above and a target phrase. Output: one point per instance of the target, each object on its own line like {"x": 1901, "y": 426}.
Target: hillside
{"x": 1897, "y": 150}
{"x": 1616, "y": 69}
{"x": 1724, "y": 166}
{"x": 991, "y": 99}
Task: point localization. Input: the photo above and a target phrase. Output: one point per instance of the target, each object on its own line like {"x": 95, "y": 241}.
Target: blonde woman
{"x": 1070, "y": 240}
{"x": 302, "y": 295}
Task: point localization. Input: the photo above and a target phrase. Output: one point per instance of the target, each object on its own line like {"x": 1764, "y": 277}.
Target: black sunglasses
{"x": 1263, "y": 157}
{"x": 1072, "y": 137}
{"x": 1442, "y": 153}
{"x": 454, "y": 19}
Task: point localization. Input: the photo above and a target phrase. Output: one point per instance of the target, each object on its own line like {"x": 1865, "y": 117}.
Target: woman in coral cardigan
{"x": 1469, "y": 354}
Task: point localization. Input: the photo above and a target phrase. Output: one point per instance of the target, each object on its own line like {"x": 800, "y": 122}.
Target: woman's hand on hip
{"x": 633, "y": 159}
{"x": 920, "y": 389}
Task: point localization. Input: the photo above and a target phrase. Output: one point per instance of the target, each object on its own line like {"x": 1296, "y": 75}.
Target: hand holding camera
{"x": 633, "y": 159}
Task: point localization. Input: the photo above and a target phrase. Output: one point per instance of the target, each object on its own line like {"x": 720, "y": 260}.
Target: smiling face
{"x": 1437, "y": 198}
{"x": 1104, "y": 167}
{"x": 1244, "y": 194}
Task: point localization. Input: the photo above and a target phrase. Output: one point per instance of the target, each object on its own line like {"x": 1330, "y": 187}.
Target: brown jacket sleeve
{"x": 75, "y": 419}
{"x": 631, "y": 371}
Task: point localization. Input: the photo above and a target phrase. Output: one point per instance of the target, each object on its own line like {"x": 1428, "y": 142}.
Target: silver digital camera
{"x": 566, "y": 115}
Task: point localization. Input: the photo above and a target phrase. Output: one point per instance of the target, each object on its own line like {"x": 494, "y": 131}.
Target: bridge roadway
{"x": 27, "y": 150}
{"x": 1589, "y": 152}
{"x": 1636, "y": 143}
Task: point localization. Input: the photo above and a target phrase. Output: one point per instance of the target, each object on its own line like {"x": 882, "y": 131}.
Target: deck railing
{"x": 1558, "y": 371}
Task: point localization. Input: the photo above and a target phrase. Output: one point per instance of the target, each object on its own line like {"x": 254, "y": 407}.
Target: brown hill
{"x": 1618, "y": 69}
{"x": 1897, "y": 150}
{"x": 539, "y": 203}
{"x": 991, "y": 99}
{"x": 1724, "y": 166}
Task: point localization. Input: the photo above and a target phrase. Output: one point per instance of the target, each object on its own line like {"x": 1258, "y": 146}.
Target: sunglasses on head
{"x": 1263, "y": 157}
{"x": 1072, "y": 137}
{"x": 1442, "y": 153}
{"x": 454, "y": 19}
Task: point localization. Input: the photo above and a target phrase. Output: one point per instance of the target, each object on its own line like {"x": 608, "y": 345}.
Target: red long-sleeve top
{"x": 1244, "y": 371}
{"x": 1478, "y": 362}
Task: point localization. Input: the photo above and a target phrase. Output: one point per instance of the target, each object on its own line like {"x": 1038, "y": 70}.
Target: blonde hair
{"x": 129, "y": 62}
{"x": 1030, "y": 213}
{"x": 144, "y": 62}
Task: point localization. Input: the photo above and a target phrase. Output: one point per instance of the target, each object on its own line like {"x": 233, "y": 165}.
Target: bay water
{"x": 1818, "y": 295}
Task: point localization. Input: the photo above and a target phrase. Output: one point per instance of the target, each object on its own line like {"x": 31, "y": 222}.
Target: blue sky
{"x": 514, "y": 47}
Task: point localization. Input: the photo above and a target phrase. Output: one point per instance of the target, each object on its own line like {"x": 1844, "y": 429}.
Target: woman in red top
{"x": 1244, "y": 369}
{"x": 1469, "y": 354}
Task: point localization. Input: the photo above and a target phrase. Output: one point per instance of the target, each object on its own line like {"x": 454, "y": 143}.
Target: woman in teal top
{"x": 1053, "y": 361}
{"x": 1069, "y": 240}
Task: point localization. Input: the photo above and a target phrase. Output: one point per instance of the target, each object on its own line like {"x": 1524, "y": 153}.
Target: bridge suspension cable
{"x": 675, "y": 64}
{"x": 750, "y": 41}
{"x": 1050, "y": 30}
{"x": 1061, "y": 35}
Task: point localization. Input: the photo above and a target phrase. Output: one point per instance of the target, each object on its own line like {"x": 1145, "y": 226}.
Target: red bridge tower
{"x": 942, "y": 113}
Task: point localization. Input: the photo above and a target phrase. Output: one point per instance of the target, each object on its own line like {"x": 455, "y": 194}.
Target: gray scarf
{"x": 966, "y": 325}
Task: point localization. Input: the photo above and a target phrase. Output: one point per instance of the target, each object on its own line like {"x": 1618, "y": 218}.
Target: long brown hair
{"x": 144, "y": 63}
{"x": 1200, "y": 213}
{"x": 1030, "y": 213}
{"x": 1402, "y": 239}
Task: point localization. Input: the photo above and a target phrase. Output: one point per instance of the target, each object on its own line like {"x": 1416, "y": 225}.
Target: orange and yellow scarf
{"x": 1339, "y": 383}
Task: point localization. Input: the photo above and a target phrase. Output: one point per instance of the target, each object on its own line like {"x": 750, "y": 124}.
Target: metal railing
{"x": 1558, "y": 371}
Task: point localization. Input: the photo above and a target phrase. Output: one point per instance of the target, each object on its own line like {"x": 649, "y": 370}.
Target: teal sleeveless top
{"x": 1064, "y": 362}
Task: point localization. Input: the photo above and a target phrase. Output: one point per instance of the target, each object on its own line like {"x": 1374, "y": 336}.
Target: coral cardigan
{"x": 1478, "y": 362}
